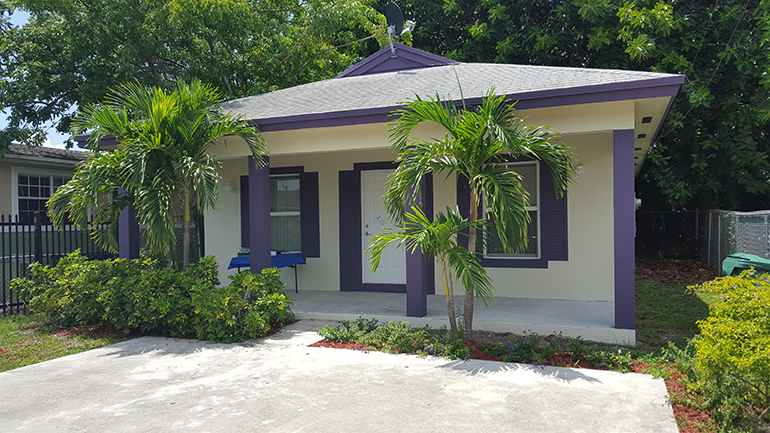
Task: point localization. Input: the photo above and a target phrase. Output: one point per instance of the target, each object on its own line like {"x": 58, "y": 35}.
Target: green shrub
{"x": 144, "y": 296}
{"x": 733, "y": 350}
{"x": 397, "y": 337}
{"x": 68, "y": 293}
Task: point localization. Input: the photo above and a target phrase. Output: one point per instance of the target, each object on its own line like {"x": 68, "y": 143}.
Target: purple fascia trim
{"x": 259, "y": 216}
{"x": 661, "y": 87}
{"x": 107, "y": 140}
{"x": 623, "y": 198}
{"x": 128, "y": 232}
{"x": 406, "y": 58}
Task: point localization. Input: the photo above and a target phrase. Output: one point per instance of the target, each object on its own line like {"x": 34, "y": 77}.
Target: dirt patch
{"x": 682, "y": 270}
{"x": 93, "y": 332}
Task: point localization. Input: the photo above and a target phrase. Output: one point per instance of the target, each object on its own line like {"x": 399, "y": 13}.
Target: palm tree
{"x": 159, "y": 164}
{"x": 476, "y": 147}
{"x": 438, "y": 239}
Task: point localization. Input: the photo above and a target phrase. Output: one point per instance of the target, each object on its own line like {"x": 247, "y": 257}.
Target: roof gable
{"x": 406, "y": 58}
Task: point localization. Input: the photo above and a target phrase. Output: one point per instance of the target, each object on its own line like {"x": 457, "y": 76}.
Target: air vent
{"x": 647, "y": 119}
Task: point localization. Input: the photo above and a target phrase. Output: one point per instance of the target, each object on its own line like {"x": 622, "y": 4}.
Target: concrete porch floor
{"x": 592, "y": 321}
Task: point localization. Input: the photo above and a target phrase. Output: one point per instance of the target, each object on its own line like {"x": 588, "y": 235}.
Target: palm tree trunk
{"x": 469, "y": 293}
{"x": 450, "y": 304}
{"x": 186, "y": 236}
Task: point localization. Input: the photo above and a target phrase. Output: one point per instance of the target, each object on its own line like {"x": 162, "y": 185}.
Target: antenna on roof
{"x": 396, "y": 24}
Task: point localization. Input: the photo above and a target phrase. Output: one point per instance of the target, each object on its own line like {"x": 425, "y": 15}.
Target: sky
{"x": 53, "y": 137}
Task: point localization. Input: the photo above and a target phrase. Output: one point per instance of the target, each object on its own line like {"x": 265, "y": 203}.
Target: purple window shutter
{"x": 553, "y": 219}
{"x": 245, "y": 212}
{"x": 553, "y": 225}
{"x": 310, "y": 226}
{"x": 350, "y": 230}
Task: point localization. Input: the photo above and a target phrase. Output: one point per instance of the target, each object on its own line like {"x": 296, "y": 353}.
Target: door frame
{"x": 350, "y": 223}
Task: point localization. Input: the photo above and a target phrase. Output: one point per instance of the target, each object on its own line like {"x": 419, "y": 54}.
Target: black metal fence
{"x": 22, "y": 244}
{"x": 669, "y": 234}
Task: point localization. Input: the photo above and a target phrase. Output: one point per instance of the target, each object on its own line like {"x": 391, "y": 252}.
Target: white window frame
{"x": 31, "y": 171}
{"x": 289, "y": 213}
{"x": 537, "y": 209}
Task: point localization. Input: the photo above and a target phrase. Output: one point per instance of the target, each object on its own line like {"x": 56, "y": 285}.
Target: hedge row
{"x": 143, "y": 296}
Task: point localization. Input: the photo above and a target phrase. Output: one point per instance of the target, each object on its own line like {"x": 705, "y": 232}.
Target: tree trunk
{"x": 186, "y": 236}
{"x": 469, "y": 292}
{"x": 450, "y": 303}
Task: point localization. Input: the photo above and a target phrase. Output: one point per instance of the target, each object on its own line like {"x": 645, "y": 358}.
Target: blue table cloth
{"x": 276, "y": 261}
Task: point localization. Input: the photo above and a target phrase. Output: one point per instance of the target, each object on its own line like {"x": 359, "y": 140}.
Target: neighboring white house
{"x": 30, "y": 175}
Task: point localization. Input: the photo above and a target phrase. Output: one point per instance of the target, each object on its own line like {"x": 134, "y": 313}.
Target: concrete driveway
{"x": 278, "y": 384}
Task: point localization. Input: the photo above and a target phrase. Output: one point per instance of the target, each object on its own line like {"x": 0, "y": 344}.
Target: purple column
{"x": 416, "y": 273}
{"x": 259, "y": 216}
{"x": 128, "y": 232}
{"x": 623, "y": 196}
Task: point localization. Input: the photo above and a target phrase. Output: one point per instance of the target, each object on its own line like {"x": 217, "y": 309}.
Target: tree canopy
{"x": 71, "y": 53}
{"x": 713, "y": 150}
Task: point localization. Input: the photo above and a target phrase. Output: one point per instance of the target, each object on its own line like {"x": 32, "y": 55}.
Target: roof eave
{"x": 659, "y": 87}
{"x": 37, "y": 160}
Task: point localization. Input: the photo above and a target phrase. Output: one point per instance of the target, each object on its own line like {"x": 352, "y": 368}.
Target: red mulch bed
{"x": 688, "y": 419}
{"x": 558, "y": 360}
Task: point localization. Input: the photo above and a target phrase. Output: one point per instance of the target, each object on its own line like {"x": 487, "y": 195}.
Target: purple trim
{"x": 407, "y": 58}
{"x": 128, "y": 234}
{"x": 417, "y": 265}
{"x": 309, "y": 215}
{"x": 259, "y": 216}
{"x": 553, "y": 226}
{"x": 351, "y": 252}
{"x": 661, "y": 87}
{"x": 309, "y": 220}
{"x": 623, "y": 197}
{"x": 245, "y": 236}
{"x": 107, "y": 140}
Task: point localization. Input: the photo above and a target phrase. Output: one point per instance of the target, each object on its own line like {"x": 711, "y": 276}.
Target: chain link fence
{"x": 730, "y": 232}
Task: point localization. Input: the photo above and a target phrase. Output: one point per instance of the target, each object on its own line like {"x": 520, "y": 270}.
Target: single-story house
{"x": 330, "y": 155}
{"x": 31, "y": 176}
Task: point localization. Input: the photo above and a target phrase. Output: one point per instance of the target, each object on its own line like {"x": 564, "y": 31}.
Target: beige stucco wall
{"x": 5, "y": 189}
{"x": 588, "y": 275}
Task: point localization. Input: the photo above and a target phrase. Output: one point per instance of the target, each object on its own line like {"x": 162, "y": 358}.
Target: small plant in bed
{"x": 560, "y": 351}
{"x": 395, "y": 337}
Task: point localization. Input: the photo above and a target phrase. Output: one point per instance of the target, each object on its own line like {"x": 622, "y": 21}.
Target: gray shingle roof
{"x": 390, "y": 89}
{"x": 46, "y": 152}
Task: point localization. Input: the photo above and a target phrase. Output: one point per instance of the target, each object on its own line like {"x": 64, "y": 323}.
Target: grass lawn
{"x": 25, "y": 340}
{"x": 667, "y": 311}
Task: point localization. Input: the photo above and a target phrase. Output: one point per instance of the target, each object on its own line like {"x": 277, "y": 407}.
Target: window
{"x": 529, "y": 171}
{"x": 285, "y": 224}
{"x": 33, "y": 191}
{"x": 294, "y": 222}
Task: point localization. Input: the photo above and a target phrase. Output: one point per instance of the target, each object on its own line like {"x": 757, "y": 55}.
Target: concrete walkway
{"x": 278, "y": 384}
{"x": 593, "y": 321}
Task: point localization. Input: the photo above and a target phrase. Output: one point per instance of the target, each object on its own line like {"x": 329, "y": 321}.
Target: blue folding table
{"x": 276, "y": 261}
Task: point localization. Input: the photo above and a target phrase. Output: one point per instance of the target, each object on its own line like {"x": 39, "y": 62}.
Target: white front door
{"x": 392, "y": 268}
